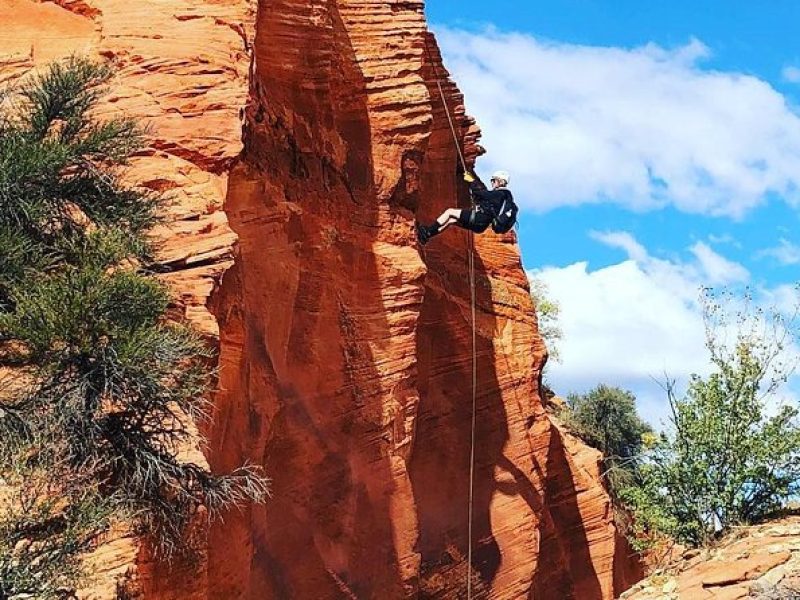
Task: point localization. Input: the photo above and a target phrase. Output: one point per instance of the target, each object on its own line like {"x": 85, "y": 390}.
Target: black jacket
{"x": 489, "y": 201}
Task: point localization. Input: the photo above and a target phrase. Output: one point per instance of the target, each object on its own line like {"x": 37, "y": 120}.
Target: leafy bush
{"x": 606, "y": 419}
{"x": 58, "y": 169}
{"x": 45, "y": 527}
{"x": 106, "y": 388}
{"x": 547, "y": 311}
{"x": 726, "y": 460}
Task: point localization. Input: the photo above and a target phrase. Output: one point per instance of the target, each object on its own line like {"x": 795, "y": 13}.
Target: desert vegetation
{"x": 100, "y": 391}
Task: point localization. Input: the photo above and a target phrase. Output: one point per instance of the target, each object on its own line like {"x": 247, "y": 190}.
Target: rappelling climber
{"x": 493, "y": 207}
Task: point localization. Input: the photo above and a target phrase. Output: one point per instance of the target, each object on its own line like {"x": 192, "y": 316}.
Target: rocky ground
{"x": 760, "y": 562}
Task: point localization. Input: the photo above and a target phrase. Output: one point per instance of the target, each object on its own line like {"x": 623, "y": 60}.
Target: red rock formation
{"x": 345, "y": 353}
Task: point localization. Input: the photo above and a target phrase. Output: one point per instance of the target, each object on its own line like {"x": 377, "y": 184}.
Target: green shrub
{"x": 57, "y": 162}
{"x": 606, "y": 418}
{"x": 45, "y": 527}
{"x": 114, "y": 392}
{"x": 726, "y": 459}
{"x": 547, "y": 312}
{"x": 107, "y": 389}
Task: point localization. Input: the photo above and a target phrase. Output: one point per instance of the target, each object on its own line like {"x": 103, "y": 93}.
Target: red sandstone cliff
{"x": 299, "y": 140}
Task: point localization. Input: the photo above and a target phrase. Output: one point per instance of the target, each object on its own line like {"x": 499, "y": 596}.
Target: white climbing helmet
{"x": 502, "y": 175}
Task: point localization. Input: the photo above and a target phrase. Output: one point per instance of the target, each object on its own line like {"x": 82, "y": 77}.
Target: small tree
{"x": 727, "y": 459}
{"x": 547, "y": 311}
{"x": 59, "y": 168}
{"x": 45, "y": 527}
{"x": 606, "y": 419}
{"x": 106, "y": 387}
{"x": 114, "y": 393}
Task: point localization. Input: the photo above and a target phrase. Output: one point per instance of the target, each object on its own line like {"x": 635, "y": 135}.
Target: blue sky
{"x": 745, "y": 35}
{"x": 655, "y": 148}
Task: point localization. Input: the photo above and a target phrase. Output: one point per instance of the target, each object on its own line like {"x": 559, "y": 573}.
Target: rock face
{"x": 299, "y": 141}
{"x": 758, "y": 562}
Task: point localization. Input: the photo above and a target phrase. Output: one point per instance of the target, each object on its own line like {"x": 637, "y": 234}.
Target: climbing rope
{"x": 452, "y": 126}
{"x": 474, "y": 397}
{"x": 471, "y": 253}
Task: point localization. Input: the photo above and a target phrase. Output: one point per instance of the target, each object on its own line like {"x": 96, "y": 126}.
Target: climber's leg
{"x": 449, "y": 217}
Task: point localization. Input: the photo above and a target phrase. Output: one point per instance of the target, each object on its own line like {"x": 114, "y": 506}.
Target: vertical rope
{"x": 446, "y": 108}
{"x": 452, "y": 126}
{"x": 474, "y": 402}
{"x": 474, "y": 334}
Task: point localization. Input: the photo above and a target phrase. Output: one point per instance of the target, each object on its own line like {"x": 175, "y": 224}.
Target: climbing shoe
{"x": 423, "y": 235}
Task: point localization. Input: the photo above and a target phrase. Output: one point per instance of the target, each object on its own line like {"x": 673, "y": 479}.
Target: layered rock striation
{"x": 299, "y": 141}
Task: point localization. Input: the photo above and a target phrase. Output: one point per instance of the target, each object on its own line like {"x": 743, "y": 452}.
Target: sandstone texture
{"x": 299, "y": 141}
{"x": 761, "y": 562}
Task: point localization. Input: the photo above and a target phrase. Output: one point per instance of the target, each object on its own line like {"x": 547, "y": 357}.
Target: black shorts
{"x": 477, "y": 223}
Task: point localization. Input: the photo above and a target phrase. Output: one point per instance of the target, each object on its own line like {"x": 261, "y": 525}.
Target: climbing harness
{"x": 471, "y": 253}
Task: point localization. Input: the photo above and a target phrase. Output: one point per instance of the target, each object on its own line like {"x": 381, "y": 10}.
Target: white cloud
{"x": 785, "y": 298}
{"x": 724, "y": 239}
{"x": 709, "y": 268}
{"x": 718, "y": 269}
{"x": 644, "y": 127}
{"x": 631, "y": 323}
{"x": 623, "y": 325}
{"x": 622, "y": 240}
{"x": 785, "y": 252}
{"x": 791, "y": 74}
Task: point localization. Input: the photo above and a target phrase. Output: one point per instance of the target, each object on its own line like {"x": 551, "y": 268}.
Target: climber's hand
{"x": 469, "y": 177}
